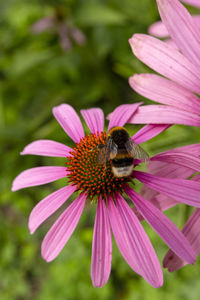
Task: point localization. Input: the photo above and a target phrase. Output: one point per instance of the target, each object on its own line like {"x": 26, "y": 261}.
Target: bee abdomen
{"x": 122, "y": 162}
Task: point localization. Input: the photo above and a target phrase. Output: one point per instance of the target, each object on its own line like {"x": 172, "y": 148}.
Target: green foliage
{"x": 36, "y": 74}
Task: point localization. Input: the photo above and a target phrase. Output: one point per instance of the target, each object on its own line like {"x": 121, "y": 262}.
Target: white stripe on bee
{"x": 122, "y": 171}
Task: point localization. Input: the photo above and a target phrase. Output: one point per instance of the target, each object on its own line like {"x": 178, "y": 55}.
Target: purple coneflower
{"x": 179, "y": 65}
{"x": 59, "y": 23}
{"x": 90, "y": 179}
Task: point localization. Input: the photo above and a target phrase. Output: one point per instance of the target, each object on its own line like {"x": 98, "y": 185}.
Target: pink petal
{"x": 180, "y": 158}
{"x": 192, "y": 2}
{"x": 193, "y": 148}
{"x": 70, "y": 121}
{"x": 42, "y": 24}
{"x": 133, "y": 242}
{"x": 121, "y": 114}
{"x": 158, "y": 29}
{"x": 101, "y": 247}
{"x": 171, "y": 43}
{"x": 47, "y": 148}
{"x": 191, "y": 230}
{"x": 170, "y": 170}
{"x": 148, "y": 132}
{"x": 181, "y": 27}
{"x": 185, "y": 191}
{"x": 38, "y": 176}
{"x": 161, "y": 114}
{"x": 62, "y": 229}
{"x": 163, "y": 202}
{"x": 166, "y": 60}
{"x": 163, "y": 226}
{"x": 48, "y": 206}
{"x": 94, "y": 118}
{"x": 161, "y": 169}
{"x": 164, "y": 91}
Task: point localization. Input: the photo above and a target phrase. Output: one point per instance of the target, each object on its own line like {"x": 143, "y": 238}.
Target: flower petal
{"x": 180, "y": 158}
{"x": 181, "y": 27}
{"x": 185, "y": 191}
{"x": 101, "y": 247}
{"x": 38, "y": 176}
{"x": 166, "y": 60}
{"x": 148, "y": 132}
{"x": 121, "y": 114}
{"x": 191, "y": 230}
{"x": 163, "y": 226}
{"x": 70, "y": 121}
{"x": 161, "y": 114}
{"x": 62, "y": 229}
{"x": 133, "y": 242}
{"x": 47, "y": 148}
{"x": 192, "y": 2}
{"x": 94, "y": 118}
{"x": 163, "y": 202}
{"x": 48, "y": 206}
{"x": 158, "y": 29}
{"x": 164, "y": 91}
{"x": 193, "y": 148}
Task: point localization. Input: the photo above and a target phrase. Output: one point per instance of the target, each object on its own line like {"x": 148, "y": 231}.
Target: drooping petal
{"x": 38, "y": 176}
{"x": 165, "y": 91}
{"x": 158, "y": 29}
{"x": 173, "y": 237}
{"x": 121, "y": 114}
{"x": 62, "y": 229}
{"x": 47, "y": 148}
{"x": 163, "y": 114}
{"x": 133, "y": 242}
{"x": 180, "y": 158}
{"x": 94, "y": 118}
{"x": 191, "y": 230}
{"x": 70, "y": 121}
{"x": 170, "y": 170}
{"x": 171, "y": 43}
{"x": 163, "y": 169}
{"x": 185, "y": 191}
{"x": 48, "y": 206}
{"x": 101, "y": 247}
{"x": 166, "y": 60}
{"x": 192, "y": 2}
{"x": 162, "y": 202}
{"x": 193, "y": 148}
{"x": 148, "y": 132}
{"x": 181, "y": 27}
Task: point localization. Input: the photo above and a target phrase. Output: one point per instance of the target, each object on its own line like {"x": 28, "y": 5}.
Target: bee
{"x": 122, "y": 151}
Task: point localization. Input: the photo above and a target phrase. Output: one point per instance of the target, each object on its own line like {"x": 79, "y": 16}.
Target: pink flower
{"x": 91, "y": 179}
{"x": 178, "y": 64}
{"x": 64, "y": 28}
{"x": 176, "y": 167}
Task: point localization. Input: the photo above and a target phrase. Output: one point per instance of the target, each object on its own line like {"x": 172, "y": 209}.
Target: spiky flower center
{"x": 87, "y": 173}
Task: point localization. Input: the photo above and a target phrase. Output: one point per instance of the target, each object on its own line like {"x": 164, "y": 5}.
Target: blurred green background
{"x": 77, "y": 52}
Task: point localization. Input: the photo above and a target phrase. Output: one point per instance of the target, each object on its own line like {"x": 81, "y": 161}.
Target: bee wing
{"x": 136, "y": 151}
{"x": 111, "y": 149}
{"x": 107, "y": 151}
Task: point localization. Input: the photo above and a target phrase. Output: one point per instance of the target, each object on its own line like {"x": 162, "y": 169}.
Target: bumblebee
{"x": 122, "y": 151}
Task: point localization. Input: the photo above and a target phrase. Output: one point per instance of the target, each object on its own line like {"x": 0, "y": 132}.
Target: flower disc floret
{"x": 87, "y": 173}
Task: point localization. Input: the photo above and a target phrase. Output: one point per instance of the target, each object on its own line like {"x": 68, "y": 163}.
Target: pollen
{"x": 88, "y": 174}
